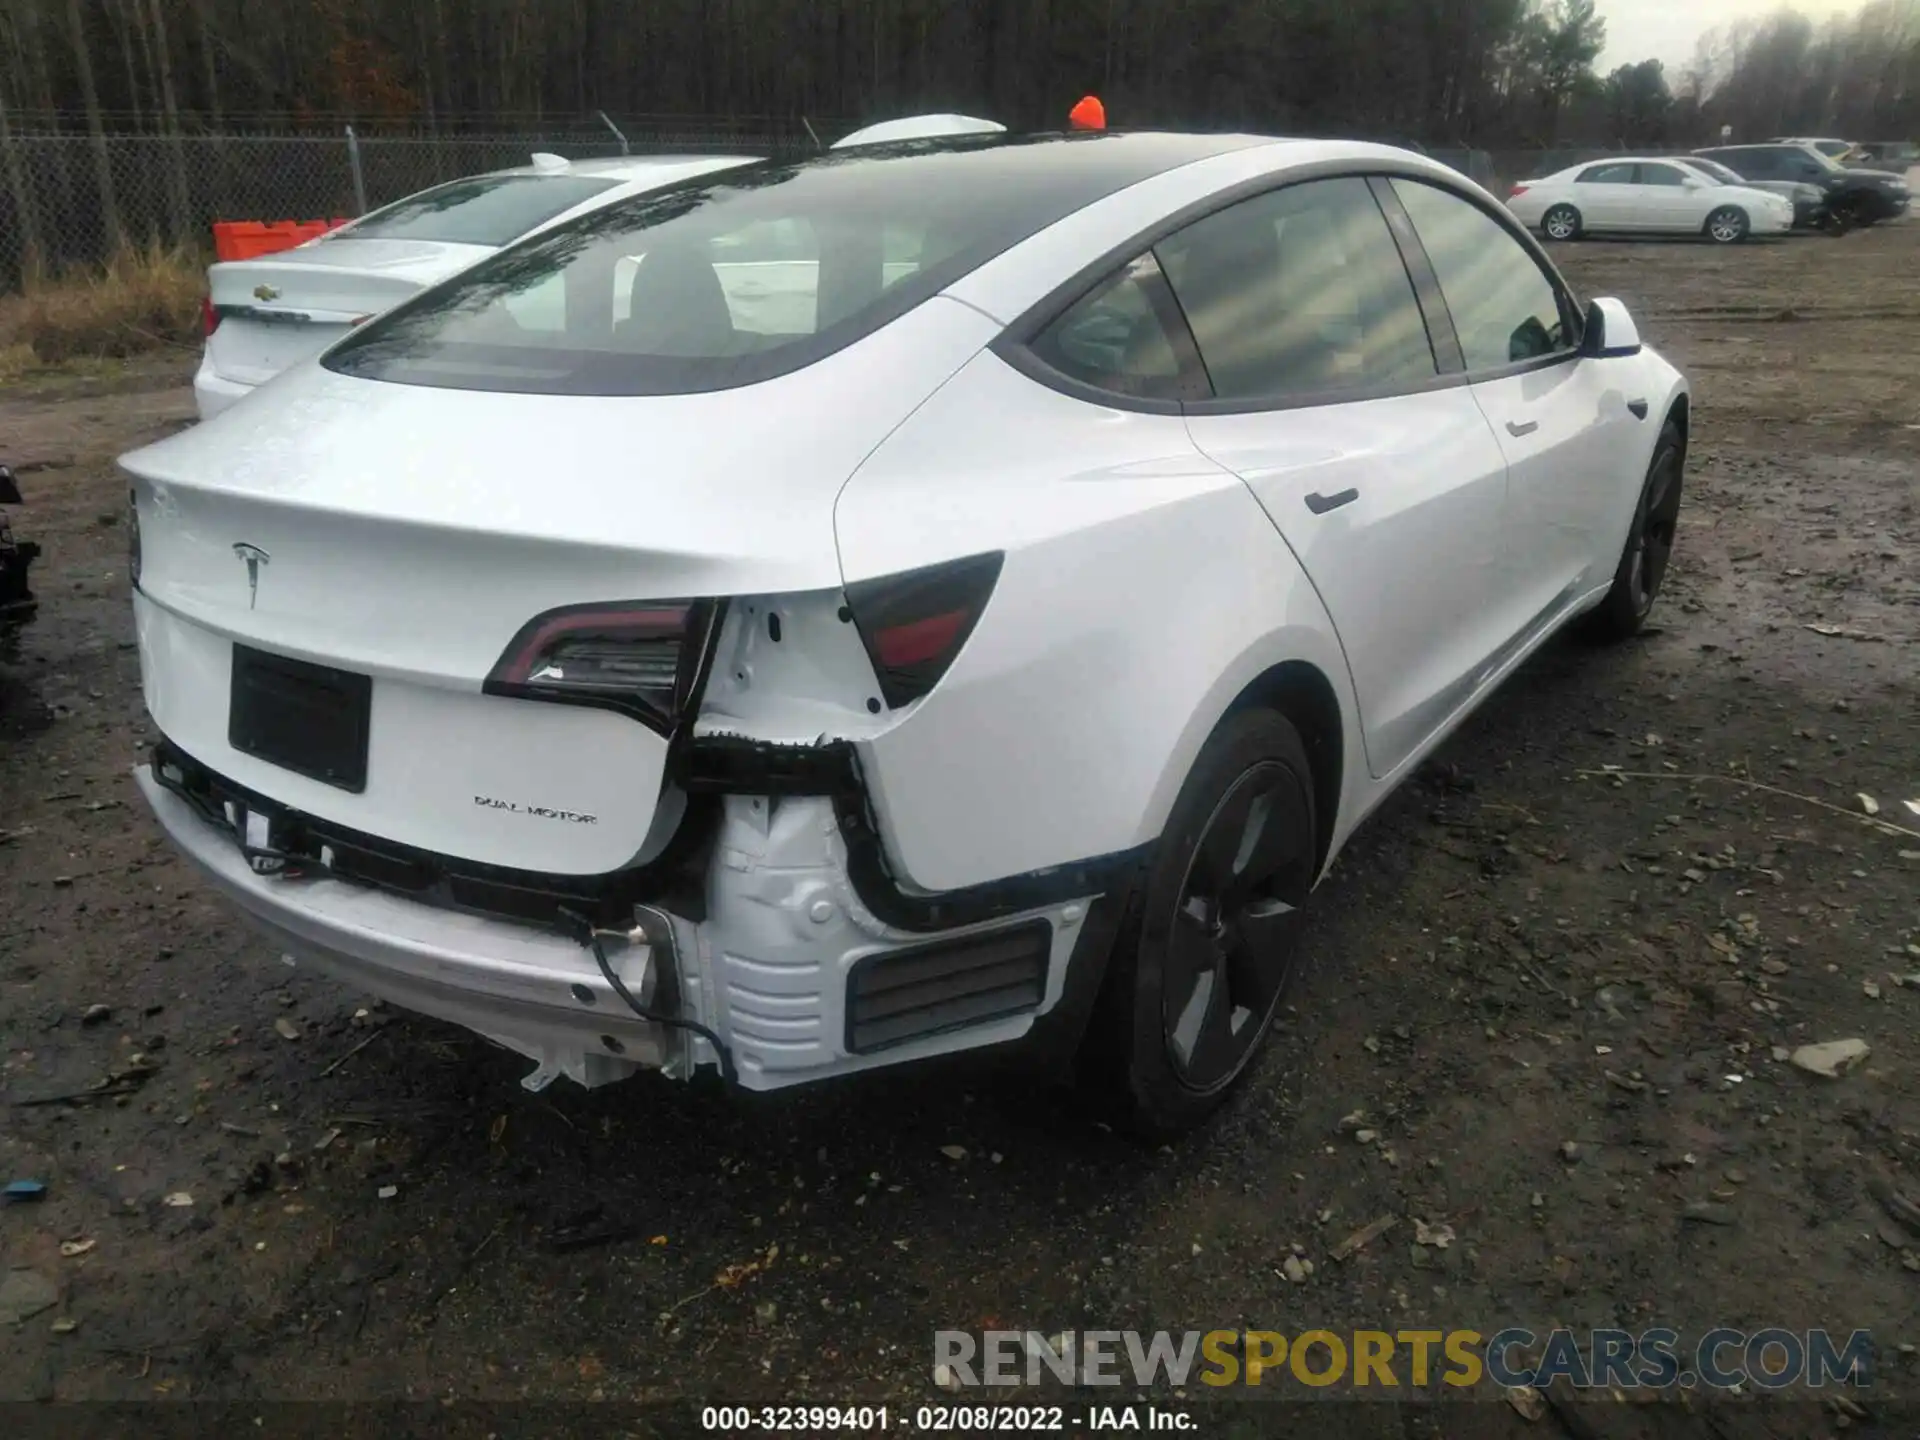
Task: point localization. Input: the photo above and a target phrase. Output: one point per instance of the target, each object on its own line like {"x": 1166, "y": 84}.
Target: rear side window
{"x": 1120, "y": 337}
{"x": 484, "y": 210}
{"x": 1606, "y": 175}
{"x": 1299, "y": 292}
{"x": 1505, "y": 309}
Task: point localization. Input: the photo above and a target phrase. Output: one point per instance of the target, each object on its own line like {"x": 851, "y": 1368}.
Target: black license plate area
{"x": 310, "y": 719}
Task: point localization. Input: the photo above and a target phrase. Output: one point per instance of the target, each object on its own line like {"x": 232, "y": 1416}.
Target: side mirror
{"x": 1689, "y": 183}
{"x": 1611, "y": 333}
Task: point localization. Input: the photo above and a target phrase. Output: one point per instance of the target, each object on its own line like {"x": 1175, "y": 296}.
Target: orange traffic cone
{"x": 1089, "y": 114}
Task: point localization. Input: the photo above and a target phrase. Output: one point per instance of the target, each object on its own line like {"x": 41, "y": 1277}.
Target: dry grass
{"x": 141, "y": 300}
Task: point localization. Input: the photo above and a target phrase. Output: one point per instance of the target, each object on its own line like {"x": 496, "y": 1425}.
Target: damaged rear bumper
{"x": 539, "y": 993}
{"x": 793, "y": 973}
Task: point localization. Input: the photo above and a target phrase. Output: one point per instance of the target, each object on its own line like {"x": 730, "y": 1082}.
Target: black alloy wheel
{"x": 1659, "y": 519}
{"x": 1231, "y": 944}
{"x": 1642, "y": 567}
{"x": 1199, "y": 971}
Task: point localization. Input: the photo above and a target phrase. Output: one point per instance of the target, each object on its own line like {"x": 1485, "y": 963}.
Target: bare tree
{"x": 96, "y": 130}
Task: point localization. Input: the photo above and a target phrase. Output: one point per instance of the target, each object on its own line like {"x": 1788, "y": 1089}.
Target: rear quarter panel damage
{"x": 1143, "y": 590}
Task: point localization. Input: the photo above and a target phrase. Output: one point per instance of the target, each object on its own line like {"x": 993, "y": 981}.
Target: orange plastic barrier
{"x": 246, "y": 239}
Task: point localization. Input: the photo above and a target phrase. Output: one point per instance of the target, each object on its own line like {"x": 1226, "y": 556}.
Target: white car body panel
{"x": 919, "y": 127}
{"x": 1562, "y": 431}
{"x": 291, "y": 305}
{"x": 357, "y": 541}
{"x": 328, "y": 288}
{"x": 432, "y": 748}
{"x": 1642, "y": 208}
{"x": 1430, "y": 484}
{"x": 1155, "y": 565}
{"x": 1069, "y": 490}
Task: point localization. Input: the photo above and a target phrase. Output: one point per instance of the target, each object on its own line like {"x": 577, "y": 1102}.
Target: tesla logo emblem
{"x": 254, "y": 557}
{"x": 265, "y": 292}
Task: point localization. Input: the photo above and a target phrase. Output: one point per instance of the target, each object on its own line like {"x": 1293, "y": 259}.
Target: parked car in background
{"x": 16, "y": 558}
{"x": 1809, "y": 201}
{"x": 1854, "y": 196}
{"x": 1646, "y": 195}
{"x": 997, "y": 649}
{"x": 266, "y": 314}
{"x": 1899, "y": 156}
{"x": 1842, "y": 152}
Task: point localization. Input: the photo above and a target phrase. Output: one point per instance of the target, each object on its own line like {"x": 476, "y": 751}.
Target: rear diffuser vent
{"x": 909, "y": 994}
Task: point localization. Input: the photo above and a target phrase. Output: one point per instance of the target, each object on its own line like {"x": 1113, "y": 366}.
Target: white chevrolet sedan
{"x": 912, "y": 599}
{"x": 1632, "y": 195}
{"x": 265, "y": 315}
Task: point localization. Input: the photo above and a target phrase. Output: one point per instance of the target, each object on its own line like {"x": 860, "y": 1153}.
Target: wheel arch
{"x": 1680, "y": 415}
{"x": 1301, "y": 691}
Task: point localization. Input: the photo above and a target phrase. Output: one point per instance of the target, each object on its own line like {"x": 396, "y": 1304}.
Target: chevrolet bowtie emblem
{"x": 255, "y": 557}
{"x": 265, "y": 292}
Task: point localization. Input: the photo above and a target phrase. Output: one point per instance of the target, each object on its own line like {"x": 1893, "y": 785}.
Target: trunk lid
{"x": 279, "y": 309}
{"x": 410, "y": 534}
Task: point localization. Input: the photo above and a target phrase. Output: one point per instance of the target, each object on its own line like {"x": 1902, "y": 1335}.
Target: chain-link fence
{"x": 70, "y": 199}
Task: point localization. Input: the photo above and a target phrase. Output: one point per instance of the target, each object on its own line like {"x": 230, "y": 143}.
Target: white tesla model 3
{"x": 912, "y": 599}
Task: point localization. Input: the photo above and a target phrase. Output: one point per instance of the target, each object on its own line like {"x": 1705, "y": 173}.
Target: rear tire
{"x": 1202, "y": 962}
{"x": 1562, "y": 222}
{"x": 1649, "y": 549}
{"x": 1728, "y": 225}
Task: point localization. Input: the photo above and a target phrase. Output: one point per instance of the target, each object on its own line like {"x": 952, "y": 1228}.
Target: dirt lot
{"x": 1519, "y": 960}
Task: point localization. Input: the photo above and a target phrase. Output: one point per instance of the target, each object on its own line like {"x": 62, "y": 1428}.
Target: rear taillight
{"x": 1516, "y": 192}
{"x": 914, "y": 624}
{"x": 641, "y": 657}
{"x": 209, "y": 316}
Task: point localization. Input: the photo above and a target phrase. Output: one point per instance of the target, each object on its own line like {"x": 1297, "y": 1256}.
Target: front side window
{"x": 482, "y": 210}
{"x": 1299, "y": 292}
{"x": 1606, "y": 175}
{"x": 1505, "y": 309}
{"x": 1661, "y": 175}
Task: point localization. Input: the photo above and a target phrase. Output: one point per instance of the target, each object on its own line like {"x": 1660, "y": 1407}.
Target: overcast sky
{"x": 1667, "y": 30}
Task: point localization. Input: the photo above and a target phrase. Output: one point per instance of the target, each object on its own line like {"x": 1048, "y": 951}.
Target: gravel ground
{"x": 1555, "y": 974}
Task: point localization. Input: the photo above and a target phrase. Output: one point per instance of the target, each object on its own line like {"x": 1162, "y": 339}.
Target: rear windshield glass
{"x": 483, "y": 210}
{"x": 746, "y": 274}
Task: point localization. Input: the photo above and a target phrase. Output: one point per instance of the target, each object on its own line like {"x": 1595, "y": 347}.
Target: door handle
{"x": 1320, "y": 504}
{"x": 1517, "y": 430}
{"x": 1639, "y": 409}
